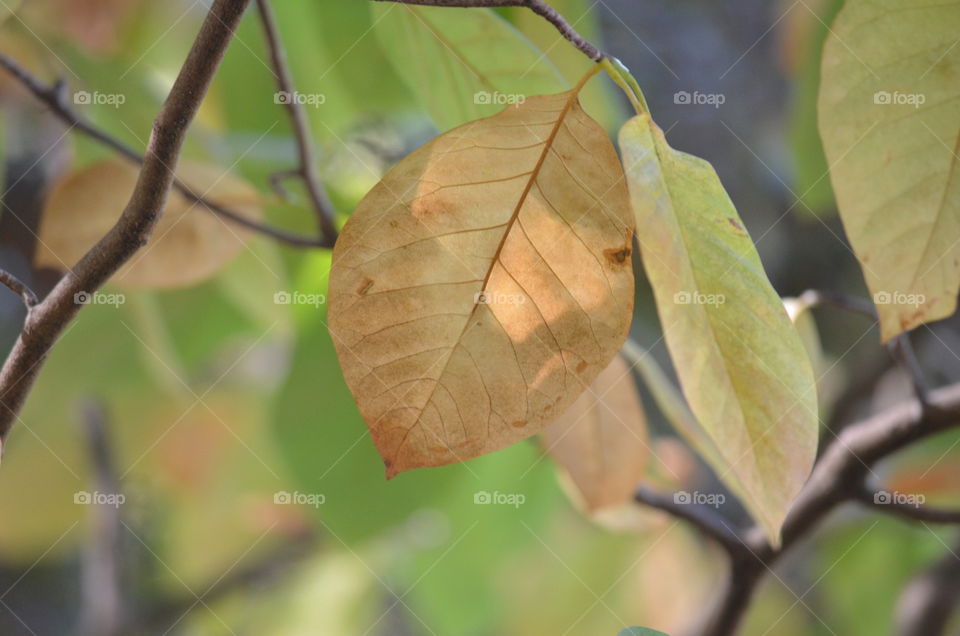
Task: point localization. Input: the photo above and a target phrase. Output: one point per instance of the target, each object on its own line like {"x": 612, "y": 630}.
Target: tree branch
{"x": 48, "y": 319}
{"x": 55, "y": 97}
{"x": 838, "y": 477}
{"x": 900, "y": 347}
{"x": 306, "y": 168}
{"x": 540, "y": 7}
{"x": 877, "y": 500}
{"x": 18, "y": 286}
{"x": 705, "y": 519}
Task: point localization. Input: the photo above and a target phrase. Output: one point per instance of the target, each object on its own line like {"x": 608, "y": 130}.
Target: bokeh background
{"x": 254, "y": 501}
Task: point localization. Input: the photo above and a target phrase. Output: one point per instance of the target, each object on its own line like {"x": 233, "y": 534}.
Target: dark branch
{"x": 818, "y": 297}
{"x": 539, "y": 7}
{"x": 16, "y": 285}
{"x": 55, "y": 97}
{"x": 900, "y": 348}
{"x": 48, "y": 319}
{"x": 306, "y": 168}
{"x": 838, "y": 477}
{"x": 886, "y": 502}
{"x": 705, "y": 519}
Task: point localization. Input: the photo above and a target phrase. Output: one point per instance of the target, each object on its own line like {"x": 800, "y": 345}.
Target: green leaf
{"x": 890, "y": 121}
{"x": 324, "y": 442}
{"x": 462, "y": 65}
{"x": 739, "y": 359}
{"x": 812, "y": 182}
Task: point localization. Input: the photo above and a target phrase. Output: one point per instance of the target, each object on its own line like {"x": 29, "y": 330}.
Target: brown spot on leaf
{"x": 618, "y": 255}
{"x": 582, "y": 366}
{"x": 431, "y": 206}
{"x": 365, "y": 286}
{"x": 518, "y": 424}
{"x": 737, "y": 225}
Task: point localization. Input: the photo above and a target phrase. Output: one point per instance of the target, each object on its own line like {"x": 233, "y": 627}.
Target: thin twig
{"x": 48, "y": 319}
{"x": 306, "y": 169}
{"x": 882, "y": 501}
{"x": 539, "y": 7}
{"x": 55, "y": 97}
{"x": 900, "y": 347}
{"x": 818, "y": 297}
{"x": 705, "y": 519}
{"x": 276, "y": 182}
{"x": 18, "y": 286}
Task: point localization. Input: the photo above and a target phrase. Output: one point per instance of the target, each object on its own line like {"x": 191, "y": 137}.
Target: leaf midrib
{"x": 534, "y": 174}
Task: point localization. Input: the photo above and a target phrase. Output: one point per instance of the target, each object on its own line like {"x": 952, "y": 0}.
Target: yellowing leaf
{"x": 189, "y": 244}
{"x": 890, "y": 121}
{"x": 601, "y": 441}
{"x": 484, "y": 283}
{"x": 739, "y": 359}
{"x": 462, "y": 65}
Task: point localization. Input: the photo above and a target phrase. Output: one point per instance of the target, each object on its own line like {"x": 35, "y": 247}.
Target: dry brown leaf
{"x": 601, "y": 441}
{"x": 484, "y": 283}
{"x": 189, "y": 244}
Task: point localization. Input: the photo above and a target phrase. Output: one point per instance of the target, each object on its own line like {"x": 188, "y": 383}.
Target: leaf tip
{"x": 390, "y": 468}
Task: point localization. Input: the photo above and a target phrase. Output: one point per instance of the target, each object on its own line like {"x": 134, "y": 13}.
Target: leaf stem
{"x": 539, "y": 7}
{"x": 622, "y": 78}
{"x": 586, "y": 78}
